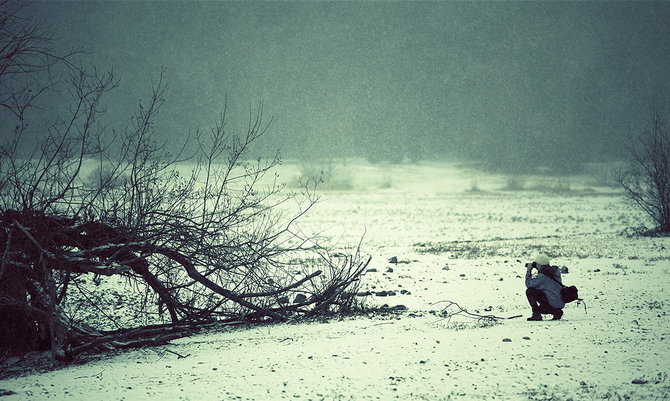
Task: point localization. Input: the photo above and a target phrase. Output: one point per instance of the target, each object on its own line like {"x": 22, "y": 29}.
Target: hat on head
{"x": 542, "y": 259}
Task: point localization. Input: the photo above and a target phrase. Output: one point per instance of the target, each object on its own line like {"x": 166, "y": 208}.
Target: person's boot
{"x": 558, "y": 314}
{"x": 535, "y": 317}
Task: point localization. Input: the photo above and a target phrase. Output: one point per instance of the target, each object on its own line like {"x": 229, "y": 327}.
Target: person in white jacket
{"x": 543, "y": 291}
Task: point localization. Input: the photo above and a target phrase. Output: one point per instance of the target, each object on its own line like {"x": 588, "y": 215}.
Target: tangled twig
{"x": 461, "y": 311}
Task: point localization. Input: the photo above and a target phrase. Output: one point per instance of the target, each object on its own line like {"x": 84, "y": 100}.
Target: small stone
{"x": 389, "y": 270}
{"x": 393, "y": 259}
{"x": 526, "y": 338}
{"x": 507, "y": 340}
{"x": 372, "y": 270}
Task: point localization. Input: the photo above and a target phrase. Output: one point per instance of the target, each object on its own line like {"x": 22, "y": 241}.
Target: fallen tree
{"x": 200, "y": 248}
{"x": 44, "y": 254}
{"x": 188, "y": 232}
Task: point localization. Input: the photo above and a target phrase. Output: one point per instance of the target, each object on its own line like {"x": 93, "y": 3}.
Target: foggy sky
{"x": 503, "y": 81}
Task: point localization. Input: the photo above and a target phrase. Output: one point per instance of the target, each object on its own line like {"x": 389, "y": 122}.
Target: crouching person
{"x": 544, "y": 289}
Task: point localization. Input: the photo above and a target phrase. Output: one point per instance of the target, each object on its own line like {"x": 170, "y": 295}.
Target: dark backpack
{"x": 568, "y": 293}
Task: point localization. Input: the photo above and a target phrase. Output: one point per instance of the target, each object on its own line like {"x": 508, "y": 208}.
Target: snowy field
{"x": 457, "y": 236}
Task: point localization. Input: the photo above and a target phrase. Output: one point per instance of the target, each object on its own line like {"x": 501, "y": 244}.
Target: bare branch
{"x": 646, "y": 179}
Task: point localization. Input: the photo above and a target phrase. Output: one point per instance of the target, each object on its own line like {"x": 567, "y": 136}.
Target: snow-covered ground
{"x": 452, "y": 244}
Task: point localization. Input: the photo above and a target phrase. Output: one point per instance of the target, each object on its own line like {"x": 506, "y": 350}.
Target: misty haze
{"x": 501, "y": 83}
{"x": 334, "y": 200}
